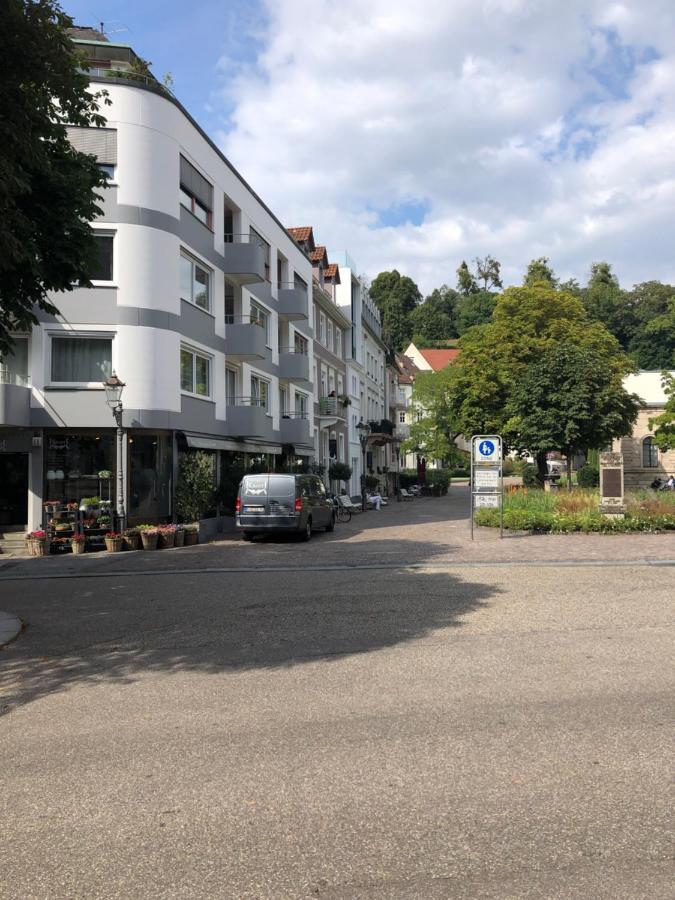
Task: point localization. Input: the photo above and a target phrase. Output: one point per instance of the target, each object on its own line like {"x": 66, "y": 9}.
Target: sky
{"x": 416, "y": 135}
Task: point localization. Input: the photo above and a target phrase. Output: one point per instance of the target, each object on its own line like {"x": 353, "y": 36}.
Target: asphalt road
{"x": 482, "y": 732}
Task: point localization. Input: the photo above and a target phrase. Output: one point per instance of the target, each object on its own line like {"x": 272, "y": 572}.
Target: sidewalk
{"x": 10, "y": 626}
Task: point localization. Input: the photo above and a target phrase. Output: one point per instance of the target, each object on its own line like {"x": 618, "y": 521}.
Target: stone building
{"x": 642, "y": 460}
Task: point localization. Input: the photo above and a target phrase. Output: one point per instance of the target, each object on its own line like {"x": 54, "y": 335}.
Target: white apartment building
{"x": 200, "y": 303}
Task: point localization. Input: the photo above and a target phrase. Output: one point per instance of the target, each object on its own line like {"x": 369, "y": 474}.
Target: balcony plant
{"x": 78, "y": 544}
{"x": 38, "y": 545}
{"x": 132, "y": 539}
{"x": 191, "y": 534}
{"x": 345, "y": 400}
{"x": 114, "y": 541}
{"x": 166, "y": 536}
{"x": 149, "y": 536}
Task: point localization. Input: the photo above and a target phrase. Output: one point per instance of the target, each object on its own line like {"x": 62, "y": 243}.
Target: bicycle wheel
{"x": 343, "y": 515}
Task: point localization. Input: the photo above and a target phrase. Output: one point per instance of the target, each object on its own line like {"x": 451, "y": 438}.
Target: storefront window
{"x": 79, "y": 465}
{"x": 150, "y": 475}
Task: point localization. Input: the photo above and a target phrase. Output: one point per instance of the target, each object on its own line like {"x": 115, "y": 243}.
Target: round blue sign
{"x": 486, "y": 448}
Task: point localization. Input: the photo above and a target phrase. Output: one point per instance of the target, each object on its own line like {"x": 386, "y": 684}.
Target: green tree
{"x": 433, "y": 320}
{"x": 396, "y": 296}
{"x": 540, "y": 270}
{"x": 487, "y": 271}
{"x": 47, "y": 189}
{"x": 466, "y": 282}
{"x": 494, "y": 357}
{"x": 605, "y": 301}
{"x": 664, "y": 424}
{"x": 436, "y": 427}
{"x": 652, "y": 344}
{"x": 474, "y": 309}
{"x": 569, "y": 400}
{"x": 195, "y": 492}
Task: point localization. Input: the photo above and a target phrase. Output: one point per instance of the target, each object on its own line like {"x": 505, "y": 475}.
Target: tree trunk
{"x": 542, "y": 468}
{"x": 569, "y": 470}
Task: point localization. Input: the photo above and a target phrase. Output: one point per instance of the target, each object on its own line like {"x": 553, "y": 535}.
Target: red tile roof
{"x": 302, "y": 234}
{"x": 332, "y": 271}
{"x": 406, "y": 368}
{"x": 318, "y": 254}
{"x": 439, "y": 359}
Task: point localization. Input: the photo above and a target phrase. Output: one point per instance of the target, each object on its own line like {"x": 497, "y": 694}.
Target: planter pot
{"x": 38, "y": 548}
{"x": 179, "y": 539}
{"x": 132, "y": 542}
{"x": 149, "y": 540}
{"x": 191, "y": 538}
{"x": 78, "y": 547}
{"x": 114, "y": 545}
{"x": 166, "y": 540}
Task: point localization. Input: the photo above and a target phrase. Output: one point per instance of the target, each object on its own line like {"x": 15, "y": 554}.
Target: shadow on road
{"x": 88, "y": 631}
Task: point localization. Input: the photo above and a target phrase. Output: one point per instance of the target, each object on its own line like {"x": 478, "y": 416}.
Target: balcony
{"x": 381, "y": 432}
{"x": 245, "y": 417}
{"x": 294, "y": 428}
{"x": 245, "y": 339}
{"x": 293, "y": 365}
{"x": 331, "y": 411}
{"x": 244, "y": 259}
{"x": 293, "y": 302}
{"x": 14, "y": 399}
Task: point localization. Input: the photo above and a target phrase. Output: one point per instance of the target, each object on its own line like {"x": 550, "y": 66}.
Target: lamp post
{"x": 363, "y": 430}
{"x": 113, "y": 397}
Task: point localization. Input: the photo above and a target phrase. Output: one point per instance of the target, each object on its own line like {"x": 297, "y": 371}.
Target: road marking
{"x": 356, "y": 567}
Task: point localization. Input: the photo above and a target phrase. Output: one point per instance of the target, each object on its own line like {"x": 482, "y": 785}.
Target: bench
{"x": 406, "y": 495}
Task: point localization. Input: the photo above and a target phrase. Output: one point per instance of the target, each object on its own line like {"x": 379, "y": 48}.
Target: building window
{"x": 230, "y": 386}
{"x": 650, "y": 453}
{"x": 329, "y": 336}
{"x": 103, "y": 267}
{"x": 260, "y": 316}
{"x": 14, "y": 366}
{"x": 301, "y": 405}
{"x": 76, "y": 360}
{"x": 229, "y": 303}
{"x": 301, "y": 345}
{"x": 259, "y": 392}
{"x": 283, "y": 402}
{"x": 108, "y": 170}
{"x": 196, "y": 194}
{"x": 341, "y": 447}
{"x": 195, "y": 373}
{"x": 259, "y": 239}
{"x": 338, "y": 342}
{"x": 401, "y": 418}
{"x": 195, "y": 282}
{"x": 322, "y": 329}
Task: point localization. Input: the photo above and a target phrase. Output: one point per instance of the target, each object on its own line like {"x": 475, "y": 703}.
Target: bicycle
{"x": 342, "y": 514}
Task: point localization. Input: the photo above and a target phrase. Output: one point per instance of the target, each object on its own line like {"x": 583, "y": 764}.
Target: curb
{"x": 10, "y": 627}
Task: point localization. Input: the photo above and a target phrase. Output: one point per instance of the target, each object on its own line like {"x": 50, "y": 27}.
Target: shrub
{"x": 407, "y": 478}
{"x": 339, "y": 471}
{"x": 195, "y": 490}
{"x": 372, "y": 482}
{"x": 531, "y": 476}
{"x": 588, "y": 477}
{"x": 439, "y": 479}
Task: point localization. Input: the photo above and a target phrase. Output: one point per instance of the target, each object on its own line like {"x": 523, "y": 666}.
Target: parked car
{"x": 268, "y": 504}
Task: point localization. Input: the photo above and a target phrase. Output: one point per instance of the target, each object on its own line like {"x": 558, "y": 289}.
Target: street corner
{"x": 10, "y": 628}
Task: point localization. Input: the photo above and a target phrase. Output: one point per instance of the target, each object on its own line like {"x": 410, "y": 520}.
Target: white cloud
{"x": 526, "y": 127}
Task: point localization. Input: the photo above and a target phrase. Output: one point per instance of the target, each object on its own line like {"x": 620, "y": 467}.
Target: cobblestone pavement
{"x": 432, "y": 531}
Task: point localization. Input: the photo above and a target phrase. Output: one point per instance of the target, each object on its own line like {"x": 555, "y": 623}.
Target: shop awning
{"x": 206, "y": 442}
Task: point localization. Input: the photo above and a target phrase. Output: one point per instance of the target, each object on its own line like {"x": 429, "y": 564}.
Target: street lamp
{"x": 113, "y": 397}
{"x": 363, "y": 430}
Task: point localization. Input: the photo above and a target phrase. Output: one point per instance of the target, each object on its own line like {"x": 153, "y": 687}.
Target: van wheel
{"x": 331, "y": 525}
{"x": 307, "y": 533}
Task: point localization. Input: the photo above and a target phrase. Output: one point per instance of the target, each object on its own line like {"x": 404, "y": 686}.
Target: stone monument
{"x": 611, "y": 485}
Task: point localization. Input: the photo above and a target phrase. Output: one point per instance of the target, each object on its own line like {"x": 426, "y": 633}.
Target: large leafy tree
{"x": 527, "y": 321}
{"x": 47, "y": 189}
{"x": 435, "y": 427}
{"x": 664, "y": 424}
{"x": 488, "y": 271}
{"x": 466, "y": 281}
{"x": 570, "y": 400}
{"x": 605, "y": 301}
{"x": 433, "y": 320}
{"x": 653, "y": 342}
{"x": 474, "y": 309}
{"x": 396, "y": 296}
{"x": 540, "y": 270}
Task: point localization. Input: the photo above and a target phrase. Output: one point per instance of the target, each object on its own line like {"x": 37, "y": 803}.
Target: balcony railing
{"x": 246, "y": 401}
{"x": 303, "y": 414}
{"x": 301, "y": 351}
{"x": 382, "y": 426}
{"x": 9, "y": 377}
{"x": 242, "y": 320}
{"x": 332, "y": 406}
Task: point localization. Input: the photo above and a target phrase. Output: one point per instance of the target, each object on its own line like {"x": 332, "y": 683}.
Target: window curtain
{"x": 81, "y": 360}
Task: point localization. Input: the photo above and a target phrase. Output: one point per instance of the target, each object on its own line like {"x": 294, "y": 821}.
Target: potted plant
{"x": 78, "y": 543}
{"x": 90, "y": 506}
{"x": 113, "y": 541}
{"x": 149, "y": 536}
{"x": 179, "y": 536}
{"x": 166, "y": 535}
{"x": 131, "y": 539}
{"x": 191, "y": 534}
{"x": 345, "y": 400}
{"x": 38, "y": 545}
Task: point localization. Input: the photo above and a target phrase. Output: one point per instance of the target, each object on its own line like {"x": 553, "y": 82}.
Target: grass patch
{"x": 562, "y": 513}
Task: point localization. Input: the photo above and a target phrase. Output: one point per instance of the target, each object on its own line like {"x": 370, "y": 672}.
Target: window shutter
{"x": 196, "y": 184}
{"x": 98, "y": 142}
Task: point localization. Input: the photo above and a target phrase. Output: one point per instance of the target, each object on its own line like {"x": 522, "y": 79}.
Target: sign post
{"x": 487, "y": 484}
{"x": 611, "y": 485}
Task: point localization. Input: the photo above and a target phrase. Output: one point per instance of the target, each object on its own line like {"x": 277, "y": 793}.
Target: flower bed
{"x": 561, "y": 513}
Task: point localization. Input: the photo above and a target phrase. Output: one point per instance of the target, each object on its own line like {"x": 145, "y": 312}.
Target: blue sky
{"x": 416, "y": 136}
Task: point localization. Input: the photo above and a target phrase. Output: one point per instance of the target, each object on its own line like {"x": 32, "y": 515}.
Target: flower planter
{"x": 78, "y": 547}
{"x": 38, "y": 548}
{"x": 179, "y": 538}
{"x": 149, "y": 540}
{"x": 191, "y": 538}
{"x": 113, "y": 545}
{"x": 132, "y": 541}
{"x": 166, "y": 540}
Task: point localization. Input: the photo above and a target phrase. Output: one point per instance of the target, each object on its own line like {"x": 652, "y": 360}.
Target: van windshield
{"x": 282, "y": 485}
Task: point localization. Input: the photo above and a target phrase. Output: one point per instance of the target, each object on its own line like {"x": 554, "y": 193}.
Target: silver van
{"x": 280, "y": 503}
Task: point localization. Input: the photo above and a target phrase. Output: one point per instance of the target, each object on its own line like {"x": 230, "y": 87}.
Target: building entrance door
{"x": 13, "y": 489}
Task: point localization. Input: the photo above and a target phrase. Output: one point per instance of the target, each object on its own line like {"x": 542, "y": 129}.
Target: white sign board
{"x": 487, "y": 501}
{"x": 487, "y": 449}
{"x": 486, "y": 478}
